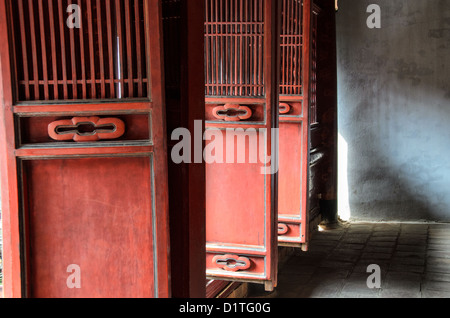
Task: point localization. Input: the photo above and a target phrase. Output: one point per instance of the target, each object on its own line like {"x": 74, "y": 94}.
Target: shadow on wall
{"x": 394, "y": 111}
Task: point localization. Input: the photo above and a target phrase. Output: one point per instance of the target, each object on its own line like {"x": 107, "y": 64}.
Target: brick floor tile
{"x": 379, "y": 249}
{"x": 439, "y": 286}
{"x": 408, "y": 261}
{"x": 407, "y": 268}
{"x": 412, "y": 241}
{"x": 376, "y": 256}
{"x": 385, "y": 233}
{"x": 350, "y": 246}
{"x": 383, "y": 239}
{"x": 439, "y": 277}
{"x": 435, "y": 294}
{"x": 402, "y": 281}
{"x": 414, "y": 261}
{"x": 389, "y": 293}
{"x": 356, "y": 287}
{"x": 411, "y": 248}
{"x": 381, "y": 243}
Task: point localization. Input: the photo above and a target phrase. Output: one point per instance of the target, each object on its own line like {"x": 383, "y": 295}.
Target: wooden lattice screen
{"x": 314, "y": 39}
{"x": 103, "y": 59}
{"x": 234, "y": 37}
{"x": 291, "y": 48}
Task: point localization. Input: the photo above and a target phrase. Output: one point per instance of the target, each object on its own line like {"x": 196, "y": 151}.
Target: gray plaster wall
{"x": 394, "y": 110}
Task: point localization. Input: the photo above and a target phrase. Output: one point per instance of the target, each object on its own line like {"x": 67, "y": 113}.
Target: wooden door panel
{"x": 294, "y": 123}
{"x": 241, "y": 53}
{"x": 239, "y": 188}
{"x": 80, "y": 212}
{"x": 290, "y": 175}
{"x": 85, "y": 139}
{"x": 291, "y": 218}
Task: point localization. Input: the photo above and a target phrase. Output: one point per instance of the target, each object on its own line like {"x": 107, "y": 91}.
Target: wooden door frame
{"x": 12, "y": 273}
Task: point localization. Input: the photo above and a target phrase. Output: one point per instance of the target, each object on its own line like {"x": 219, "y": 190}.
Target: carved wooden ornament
{"x": 282, "y": 229}
{"x": 232, "y": 112}
{"x": 86, "y": 129}
{"x": 284, "y": 108}
{"x": 232, "y": 263}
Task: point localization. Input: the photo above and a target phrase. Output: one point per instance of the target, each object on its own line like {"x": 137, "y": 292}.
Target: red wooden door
{"x": 294, "y": 122}
{"x": 85, "y": 191}
{"x": 241, "y": 44}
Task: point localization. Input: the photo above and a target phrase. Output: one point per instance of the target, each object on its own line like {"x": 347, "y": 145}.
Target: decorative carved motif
{"x": 86, "y": 129}
{"x": 232, "y": 263}
{"x": 282, "y": 229}
{"x": 284, "y": 108}
{"x": 232, "y": 112}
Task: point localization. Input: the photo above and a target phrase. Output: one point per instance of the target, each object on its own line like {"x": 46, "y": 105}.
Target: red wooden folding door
{"x": 241, "y": 55}
{"x": 84, "y": 164}
{"x": 295, "y": 115}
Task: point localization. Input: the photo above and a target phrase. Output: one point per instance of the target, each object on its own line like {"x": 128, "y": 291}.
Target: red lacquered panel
{"x": 90, "y": 213}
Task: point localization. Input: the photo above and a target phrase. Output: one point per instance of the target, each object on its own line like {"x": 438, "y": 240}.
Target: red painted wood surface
{"x": 100, "y": 205}
{"x": 241, "y": 52}
{"x": 86, "y": 212}
{"x": 295, "y": 98}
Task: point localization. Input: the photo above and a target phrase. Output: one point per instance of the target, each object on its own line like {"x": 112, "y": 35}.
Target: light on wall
{"x": 336, "y": 5}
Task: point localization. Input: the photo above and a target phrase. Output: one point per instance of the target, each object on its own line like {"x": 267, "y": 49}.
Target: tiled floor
{"x": 414, "y": 260}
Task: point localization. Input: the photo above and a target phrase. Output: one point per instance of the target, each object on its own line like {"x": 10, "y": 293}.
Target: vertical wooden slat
{"x": 225, "y": 49}
{"x": 42, "y": 32}
{"x": 82, "y": 56}
{"x": 14, "y": 55}
{"x": 216, "y": 51}
{"x": 245, "y": 49}
{"x": 241, "y": 47}
{"x": 216, "y": 32}
{"x": 62, "y": 28}
{"x": 138, "y": 46}
{"x": 120, "y": 47}
{"x": 37, "y": 94}
{"x": 110, "y": 49}
{"x": 129, "y": 41}
{"x": 53, "y": 47}
{"x": 100, "y": 49}
{"x": 236, "y": 53}
{"x": 24, "y": 50}
{"x": 91, "y": 49}
{"x": 283, "y": 48}
{"x": 73, "y": 59}
{"x": 221, "y": 46}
